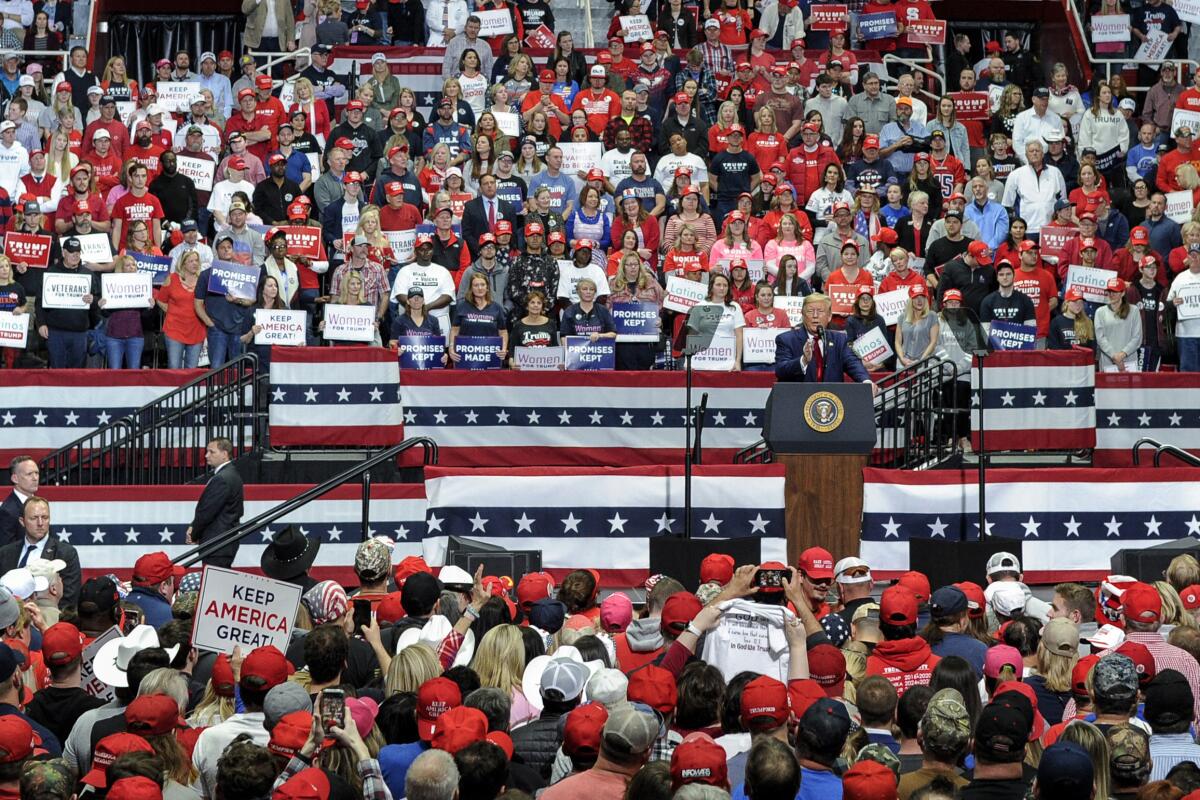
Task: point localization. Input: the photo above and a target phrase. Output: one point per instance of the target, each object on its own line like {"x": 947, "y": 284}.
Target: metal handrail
{"x": 1159, "y": 449}
{"x": 915, "y": 427}
{"x": 362, "y": 469}
{"x": 889, "y": 58}
{"x": 589, "y": 36}
{"x": 273, "y": 57}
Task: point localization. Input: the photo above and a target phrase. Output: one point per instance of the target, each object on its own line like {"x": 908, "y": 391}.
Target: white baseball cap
{"x": 1003, "y": 562}
{"x": 23, "y": 583}
{"x": 1007, "y": 598}
{"x": 848, "y": 563}
{"x": 1106, "y": 637}
{"x": 208, "y": 55}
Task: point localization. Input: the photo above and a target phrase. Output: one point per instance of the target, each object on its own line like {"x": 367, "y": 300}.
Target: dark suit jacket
{"x": 219, "y": 508}
{"x": 10, "y": 555}
{"x": 10, "y": 512}
{"x": 475, "y": 221}
{"x": 840, "y": 360}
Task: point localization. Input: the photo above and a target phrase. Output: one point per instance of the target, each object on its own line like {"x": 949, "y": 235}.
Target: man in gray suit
{"x": 219, "y": 508}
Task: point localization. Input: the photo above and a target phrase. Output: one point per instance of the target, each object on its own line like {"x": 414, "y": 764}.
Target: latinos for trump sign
{"x": 583, "y": 353}
{"x": 239, "y": 609}
{"x": 280, "y": 327}
{"x": 682, "y": 294}
{"x": 14, "y": 330}
{"x": 30, "y": 249}
{"x": 872, "y": 346}
{"x": 421, "y": 352}
{"x": 1091, "y": 281}
{"x": 127, "y": 289}
{"x": 881, "y": 25}
{"x": 478, "y": 352}
{"x": 636, "y": 322}
{"x": 230, "y": 278}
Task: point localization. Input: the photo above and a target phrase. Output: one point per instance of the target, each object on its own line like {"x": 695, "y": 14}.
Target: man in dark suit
{"x": 25, "y": 476}
{"x": 37, "y": 541}
{"x": 219, "y": 508}
{"x": 481, "y": 214}
{"x": 813, "y": 353}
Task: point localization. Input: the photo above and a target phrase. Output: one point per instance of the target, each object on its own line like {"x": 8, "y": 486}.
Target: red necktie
{"x": 819, "y": 358}
{"x": 491, "y": 204}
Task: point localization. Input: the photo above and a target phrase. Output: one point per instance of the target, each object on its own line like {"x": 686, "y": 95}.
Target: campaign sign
{"x": 1190, "y": 307}
{"x": 497, "y": 22}
{"x": 758, "y": 344}
{"x": 14, "y": 330}
{"x": 1114, "y": 27}
{"x": 421, "y": 352}
{"x": 239, "y": 608}
{"x": 872, "y": 346}
{"x": 62, "y": 290}
{"x": 95, "y": 248}
{"x": 1180, "y": 206}
{"x": 682, "y": 294}
{"x": 88, "y": 680}
{"x": 1188, "y": 10}
{"x": 349, "y": 323}
{"x": 1091, "y": 281}
{"x": 891, "y": 305}
{"x": 200, "y": 170}
{"x": 157, "y": 267}
{"x": 1053, "y": 239}
{"x": 583, "y": 353}
{"x": 402, "y": 244}
{"x": 173, "y": 95}
{"x": 828, "y": 17}
{"x": 971, "y": 106}
{"x": 538, "y": 359}
{"x": 508, "y": 122}
{"x": 230, "y": 278}
{"x": 580, "y": 156}
{"x": 637, "y": 28}
{"x": 30, "y": 249}
{"x": 1183, "y": 116}
{"x": 636, "y": 322}
{"x": 881, "y": 25}
{"x": 792, "y": 305}
{"x": 125, "y": 111}
{"x": 1012, "y": 336}
{"x": 719, "y": 356}
{"x": 754, "y": 267}
{"x": 1155, "y": 48}
{"x": 540, "y": 38}
{"x": 304, "y": 240}
{"x": 127, "y": 290}
{"x": 842, "y": 296}
{"x": 280, "y": 327}
{"x": 478, "y": 352}
{"x": 926, "y": 31}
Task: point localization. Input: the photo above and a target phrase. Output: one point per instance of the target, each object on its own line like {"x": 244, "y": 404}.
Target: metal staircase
{"x": 1160, "y": 450}
{"x": 163, "y": 442}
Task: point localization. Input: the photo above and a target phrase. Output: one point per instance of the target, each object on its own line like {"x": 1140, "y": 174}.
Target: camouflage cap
{"x": 1115, "y": 676}
{"x": 184, "y": 604}
{"x": 880, "y": 754}
{"x": 946, "y": 723}
{"x": 1128, "y": 751}
{"x": 373, "y": 560}
{"x": 49, "y": 778}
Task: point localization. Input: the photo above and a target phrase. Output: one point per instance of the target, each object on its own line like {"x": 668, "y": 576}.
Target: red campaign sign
{"x": 827, "y": 17}
{"x": 304, "y": 241}
{"x": 926, "y": 31}
{"x": 540, "y": 37}
{"x": 723, "y": 81}
{"x": 457, "y": 203}
{"x": 842, "y": 296}
{"x": 971, "y": 106}
{"x": 31, "y": 249}
{"x": 1053, "y": 239}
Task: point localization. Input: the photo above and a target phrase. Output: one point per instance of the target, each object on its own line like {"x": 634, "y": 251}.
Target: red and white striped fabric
{"x": 1035, "y": 400}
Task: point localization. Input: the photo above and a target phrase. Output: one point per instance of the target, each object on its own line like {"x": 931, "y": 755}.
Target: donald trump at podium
{"x": 813, "y": 353}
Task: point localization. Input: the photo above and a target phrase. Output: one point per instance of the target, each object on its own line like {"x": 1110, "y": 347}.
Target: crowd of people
{"x": 746, "y": 149}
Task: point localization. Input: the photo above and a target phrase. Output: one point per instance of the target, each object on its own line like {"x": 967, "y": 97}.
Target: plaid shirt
{"x": 1168, "y": 656}
{"x": 374, "y": 787}
{"x": 663, "y": 748}
{"x": 707, "y": 107}
{"x": 717, "y": 57}
{"x": 641, "y": 129}
{"x": 375, "y": 281}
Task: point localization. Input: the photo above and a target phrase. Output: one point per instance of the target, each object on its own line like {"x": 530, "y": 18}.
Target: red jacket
{"x": 801, "y": 166}
{"x": 904, "y": 662}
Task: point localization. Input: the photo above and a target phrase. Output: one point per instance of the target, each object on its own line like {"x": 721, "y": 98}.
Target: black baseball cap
{"x": 1168, "y": 698}
{"x": 825, "y": 725}
{"x": 1003, "y": 729}
{"x": 421, "y": 590}
{"x": 72, "y": 245}
{"x": 97, "y": 595}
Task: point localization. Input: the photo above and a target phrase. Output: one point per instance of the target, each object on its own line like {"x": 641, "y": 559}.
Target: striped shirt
{"x": 1168, "y": 656}
{"x": 1169, "y": 749}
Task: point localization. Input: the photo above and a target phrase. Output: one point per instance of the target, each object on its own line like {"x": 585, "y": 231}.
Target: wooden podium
{"x": 823, "y": 434}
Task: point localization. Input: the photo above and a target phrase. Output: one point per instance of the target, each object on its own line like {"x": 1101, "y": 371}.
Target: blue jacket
{"x": 153, "y": 605}
{"x": 992, "y": 221}
{"x": 839, "y": 361}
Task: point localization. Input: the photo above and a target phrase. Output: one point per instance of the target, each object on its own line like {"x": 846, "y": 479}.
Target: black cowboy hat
{"x": 289, "y": 554}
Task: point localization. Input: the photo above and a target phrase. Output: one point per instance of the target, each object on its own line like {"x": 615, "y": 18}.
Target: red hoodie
{"x": 904, "y": 662}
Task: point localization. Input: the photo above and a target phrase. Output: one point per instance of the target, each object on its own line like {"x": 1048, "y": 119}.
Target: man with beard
{"x": 144, "y": 150}
{"x": 397, "y": 171}
{"x": 273, "y": 195}
{"x": 298, "y": 168}
{"x": 81, "y": 190}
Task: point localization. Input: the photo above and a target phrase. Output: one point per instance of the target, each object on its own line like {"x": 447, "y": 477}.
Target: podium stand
{"x": 823, "y": 434}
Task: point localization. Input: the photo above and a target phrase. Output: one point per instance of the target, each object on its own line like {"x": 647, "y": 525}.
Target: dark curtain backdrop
{"x": 145, "y": 38}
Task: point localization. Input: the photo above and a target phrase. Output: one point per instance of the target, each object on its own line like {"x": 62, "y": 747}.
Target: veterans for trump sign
{"x": 240, "y": 609}
{"x": 62, "y": 290}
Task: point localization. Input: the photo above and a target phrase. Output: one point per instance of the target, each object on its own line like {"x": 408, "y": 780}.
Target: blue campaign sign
{"x": 478, "y": 352}
{"x": 1012, "y": 336}
{"x": 239, "y": 280}
{"x": 159, "y": 267}
{"x": 421, "y": 352}
{"x": 636, "y": 322}
{"x": 583, "y": 353}
{"x": 880, "y": 25}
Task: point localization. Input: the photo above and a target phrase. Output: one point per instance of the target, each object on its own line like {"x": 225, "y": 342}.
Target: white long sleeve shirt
{"x": 749, "y": 637}
{"x": 14, "y": 162}
{"x": 1104, "y": 131}
{"x": 1036, "y": 193}
{"x": 1029, "y": 126}
{"x": 1185, "y": 327}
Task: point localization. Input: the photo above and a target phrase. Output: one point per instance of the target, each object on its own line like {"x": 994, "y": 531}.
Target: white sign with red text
{"x": 239, "y": 608}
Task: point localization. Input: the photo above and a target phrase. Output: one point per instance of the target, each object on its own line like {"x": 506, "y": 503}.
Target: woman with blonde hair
{"x": 767, "y": 144}
{"x": 718, "y": 135}
{"x": 1012, "y": 102}
{"x": 59, "y": 158}
{"x": 788, "y": 241}
{"x": 116, "y": 82}
{"x": 1091, "y": 739}
{"x": 410, "y": 668}
{"x": 1173, "y": 611}
{"x": 1057, "y": 653}
{"x": 1183, "y": 571}
{"x": 519, "y": 79}
{"x": 499, "y": 661}
{"x": 316, "y": 113}
{"x": 368, "y": 226}
{"x": 1073, "y": 327}
{"x": 463, "y": 113}
{"x": 1118, "y": 330}
{"x": 155, "y": 717}
{"x": 918, "y": 330}
{"x": 633, "y": 282}
{"x": 385, "y": 87}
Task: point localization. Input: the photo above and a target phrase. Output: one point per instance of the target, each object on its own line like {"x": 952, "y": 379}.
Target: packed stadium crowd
{"x": 767, "y": 154}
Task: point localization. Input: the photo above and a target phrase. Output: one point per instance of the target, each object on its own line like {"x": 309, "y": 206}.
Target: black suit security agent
{"x": 481, "y": 214}
{"x": 24, "y": 473}
{"x": 220, "y": 507}
{"x": 37, "y": 541}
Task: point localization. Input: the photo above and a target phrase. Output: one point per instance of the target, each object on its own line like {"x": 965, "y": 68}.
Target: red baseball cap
{"x": 583, "y": 729}
{"x": 1143, "y": 661}
{"x": 352, "y": 176}
{"x": 534, "y": 229}
{"x": 290, "y": 733}
{"x": 1074, "y": 293}
{"x": 245, "y": 92}
{"x": 683, "y": 169}
{"x": 555, "y": 236}
{"x": 1142, "y": 603}
{"x": 1080, "y": 672}
{"x": 736, "y": 128}
{"x": 1114, "y": 284}
{"x": 951, "y": 294}
{"x": 698, "y": 759}
{"x": 916, "y": 582}
{"x": 681, "y": 97}
{"x": 1026, "y": 245}
{"x": 655, "y": 687}
{"x": 63, "y": 86}
{"x": 422, "y": 239}
{"x": 870, "y": 140}
{"x": 976, "y": 601}
{"x": 840, "y": 205}
{"x": 355, "y": 105}
{"x": 1087, "y": 243}
{"x": 297, "y": 210}
{"x": 486, "y": 239}
{"x": 459, "y": 727}
{"x": 237, "y": 162}
{"x": 503, "y": 227}
{"x": 307, "y": 784}
{"x": 595, "y": 174}
{"x": 980, "y": 252}
{"x": 222, "y": 676}
{"x": 680, "y": 609}
{"x": 276, "y": 158}
{"x": 395, "y": 150}
{"x": 898, "y": 606}
{"x": 803, "y": 693}
{"x": 136, "y": 787}
{"x": 393, "y": 189}
{"x": 868, "y": 780}
{"x": 263, "y": 82}
{"x": 546, "y": 76}
{"x": 827, "y": 666}
{"x": 1190, "y": 595}
{"x": 390, "y": 609}
{"x": 153, "y": 715}
{"x": 780, "y": 70}
{"x": 268, "y": 664}
{"x": 534, "y": 586}
{"x": 718, "y": 568}
{"x": 764, "y": 698}
{"x": 1039, "y": 722}
{"x": 62, "y": 643}
{"x": 1139, "y": 235}
{"x": 106, "y": 752}
{"x": 155, "y": 568}
{"x": 886, "y": 236}
{"x": 435, "y": 698}
{"x": 816, "y": 562}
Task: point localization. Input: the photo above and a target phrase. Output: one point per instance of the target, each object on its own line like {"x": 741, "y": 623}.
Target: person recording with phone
{"x": 812, "y": 353}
